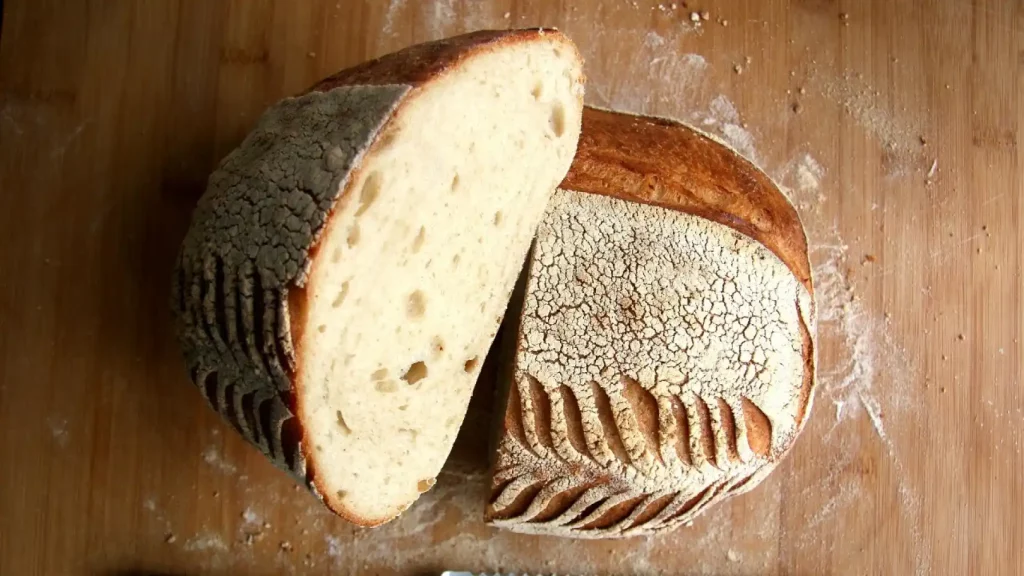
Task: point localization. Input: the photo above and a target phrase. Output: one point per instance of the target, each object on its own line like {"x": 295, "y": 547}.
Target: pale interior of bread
{"x": 412, "y": 277}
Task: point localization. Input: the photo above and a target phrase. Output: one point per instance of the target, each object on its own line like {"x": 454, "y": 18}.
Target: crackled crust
{"x": 662, "y": 162}
{"x": 239, "y": 286}
{"x": 664, "y": 357}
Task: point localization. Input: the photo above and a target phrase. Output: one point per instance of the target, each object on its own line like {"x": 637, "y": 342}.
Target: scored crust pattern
{"x": 249, "y": 245}
{"x": 658, "y": 368}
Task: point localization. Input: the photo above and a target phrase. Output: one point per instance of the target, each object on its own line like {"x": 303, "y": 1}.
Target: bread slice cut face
{"x": 662, "y": 357}
{"x": 351, "y": 261}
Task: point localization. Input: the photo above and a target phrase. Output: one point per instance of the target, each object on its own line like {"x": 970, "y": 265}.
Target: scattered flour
{"x": 334, "y": 547}
{"x": 395, "y": 7}
{"x": 860, "y": 356}
{"x": 251, "y": 518}
{"x": 206, "y": 542}
{"x": 58, "y": 430}
{"x": 898, "y": 134}
{"x": 213, "y": 457}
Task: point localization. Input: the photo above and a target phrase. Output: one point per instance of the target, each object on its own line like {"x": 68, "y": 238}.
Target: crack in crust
{"x": 250, "y": 243}
{"x": 657, "y": 371}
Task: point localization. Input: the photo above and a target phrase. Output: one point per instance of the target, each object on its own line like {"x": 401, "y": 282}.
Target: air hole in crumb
{"x": 341, "y": 494}
{"x": 497, "y": 218}
{"x": 342, "y": 424}
{"x": 455, "y": 260}
{"x": 438, "y": 346}
{"x": 386, "y": 386}
{"x": 336, "y": 255}
{"x": 456, "y": 182}
{"x": 471, "y": 364}
{"x": 321, "y": 328}
{"x": 369, "y": 193}
{"x": 353, "y": 236}
{"x": 417, "y": 304}
{"x": 538, "y": 90}
{"x": 379, "y": 374}
{"x": 415, "y": 373}
{"x": 340, "y": 297}
{"x": 558, "y": 119}
{"x": 403, "y": 407}
{"x": 424, "y": 485}
{"x": 417, "y": 242}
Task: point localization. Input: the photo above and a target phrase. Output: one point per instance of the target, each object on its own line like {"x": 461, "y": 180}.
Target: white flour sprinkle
{"x": 213, "y": 457}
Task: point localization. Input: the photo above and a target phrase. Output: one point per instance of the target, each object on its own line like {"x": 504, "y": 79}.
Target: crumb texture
{"x": 659, "y": 368}
{"x": 250, "y": 241}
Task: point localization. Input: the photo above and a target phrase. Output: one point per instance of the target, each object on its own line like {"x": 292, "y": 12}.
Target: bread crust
{"x": 239, "y": 291}
{"x": 663, "y": 163}
{"x": 666, "y": 163}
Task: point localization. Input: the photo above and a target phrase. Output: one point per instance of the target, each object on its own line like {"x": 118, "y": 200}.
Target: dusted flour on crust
{"x": 662, "y": 360}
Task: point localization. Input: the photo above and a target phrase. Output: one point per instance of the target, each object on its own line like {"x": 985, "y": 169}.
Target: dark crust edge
{"x": 416, "y": 66}
{"x": 422, "y": 63}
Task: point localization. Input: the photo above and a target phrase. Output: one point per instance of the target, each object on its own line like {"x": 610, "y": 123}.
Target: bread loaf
{"x": 349, "y": 264}
{"x": 662, "y": 358}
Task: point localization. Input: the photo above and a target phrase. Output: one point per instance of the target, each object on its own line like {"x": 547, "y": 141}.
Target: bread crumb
{"x": 694, "y": 17}
{"x": 724, "y": 23}
{"x": 797, "y": 107}
{"x": 508, "y": 15}
{"x": 737, "y": 69}
{"x": 960, "y": 337}
{"x": 170, "y": 538}
{"x": 868, "y": 259}
{"x": 286, "y": 546}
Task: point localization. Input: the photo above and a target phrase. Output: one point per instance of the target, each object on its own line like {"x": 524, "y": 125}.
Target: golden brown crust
{"x": 663, "y": 162}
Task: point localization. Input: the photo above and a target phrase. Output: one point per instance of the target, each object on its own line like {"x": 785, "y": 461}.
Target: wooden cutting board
{"x": 894, "y": 124}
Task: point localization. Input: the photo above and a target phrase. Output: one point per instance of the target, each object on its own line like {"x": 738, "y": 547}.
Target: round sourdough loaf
{"x": 662, "y": 357}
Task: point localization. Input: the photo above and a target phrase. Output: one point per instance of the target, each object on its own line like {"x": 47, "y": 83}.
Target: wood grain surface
{"x": 894, "y": 124}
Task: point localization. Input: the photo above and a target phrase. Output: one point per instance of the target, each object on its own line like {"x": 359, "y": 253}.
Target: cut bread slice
{"x": 662, "y": 358}
{"x": 350, "y": 262}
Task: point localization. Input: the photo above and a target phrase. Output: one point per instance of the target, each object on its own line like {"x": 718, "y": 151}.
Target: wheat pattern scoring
{"x": 660, "y": 365}
{"x": 568, "y": 448}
